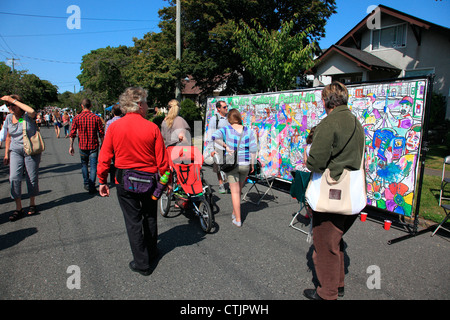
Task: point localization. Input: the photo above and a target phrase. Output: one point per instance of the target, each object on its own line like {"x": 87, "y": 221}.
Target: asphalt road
{"x": 77, "y": 248}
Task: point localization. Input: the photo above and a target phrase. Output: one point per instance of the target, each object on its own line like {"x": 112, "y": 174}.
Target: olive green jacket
{"x": 338, "y": 143}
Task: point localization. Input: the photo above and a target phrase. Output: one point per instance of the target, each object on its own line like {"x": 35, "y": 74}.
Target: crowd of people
{"x": 128, "y": 144}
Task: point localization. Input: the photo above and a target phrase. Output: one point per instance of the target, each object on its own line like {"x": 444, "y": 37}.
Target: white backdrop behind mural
{"x": 392, "y": 114}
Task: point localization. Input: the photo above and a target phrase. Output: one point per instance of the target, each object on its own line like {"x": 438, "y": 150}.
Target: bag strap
{"x": 363, "y": 154}
{"x": 24, "y": 125}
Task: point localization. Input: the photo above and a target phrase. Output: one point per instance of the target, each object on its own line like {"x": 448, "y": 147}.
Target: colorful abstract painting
{"x": 391, "y": 114}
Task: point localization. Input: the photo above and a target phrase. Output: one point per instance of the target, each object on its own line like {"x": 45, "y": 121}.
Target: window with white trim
{"x": 389, "y": 37}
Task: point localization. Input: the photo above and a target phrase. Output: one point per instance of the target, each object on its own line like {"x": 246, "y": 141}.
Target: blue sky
{"x": 48, "y": 48}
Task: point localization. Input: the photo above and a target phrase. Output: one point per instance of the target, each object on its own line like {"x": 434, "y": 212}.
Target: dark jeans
{"x": 140, "y": 214}
{"x": 89, "y": 159}
{"x": 328, "y": 255}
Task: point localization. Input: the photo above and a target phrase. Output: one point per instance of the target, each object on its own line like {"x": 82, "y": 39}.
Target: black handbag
{"x": 231, "y": 161}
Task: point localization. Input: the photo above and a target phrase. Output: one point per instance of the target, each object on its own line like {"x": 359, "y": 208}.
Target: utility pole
{"x": 13, "y": 59}
{"x": 178, "y": 55}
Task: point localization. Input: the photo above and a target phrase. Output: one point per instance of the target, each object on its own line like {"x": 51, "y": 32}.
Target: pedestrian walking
{"x": 57, "y": 122}
{"x": 217, "y": 122}
{"x": 66, "y": 124}
{"x": 16, "y": 157}
{"x": 237, "y": 138}
{"x": 138, "y": 148}
{"x": 90, "y": 129}
{"x": 174, "y": 129}
{"x": 338, "y": 145}
{"x": 117, "y": 112}
{"x": 47, "y": 119}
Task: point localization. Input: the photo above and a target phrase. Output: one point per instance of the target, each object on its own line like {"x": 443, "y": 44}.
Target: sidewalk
{"x": 437, "y": 173}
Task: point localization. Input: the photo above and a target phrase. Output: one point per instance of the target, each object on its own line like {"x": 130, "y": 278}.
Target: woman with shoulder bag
{"x": 16, "y": 157}
{"x": 237, "y": 138}
{"x": 338, "y": 146}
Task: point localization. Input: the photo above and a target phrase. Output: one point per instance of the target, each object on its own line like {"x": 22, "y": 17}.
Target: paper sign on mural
{"x": 390, "y": 112}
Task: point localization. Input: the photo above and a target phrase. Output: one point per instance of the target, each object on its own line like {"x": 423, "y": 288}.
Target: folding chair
{"x": 444, "y": 181}
{"x": 298, "y": 189}
{"x": 447, "y": 215}
{"x": 258, "y": 177}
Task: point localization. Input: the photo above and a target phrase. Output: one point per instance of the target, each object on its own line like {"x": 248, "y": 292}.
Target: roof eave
{"x": 400, "y": 15}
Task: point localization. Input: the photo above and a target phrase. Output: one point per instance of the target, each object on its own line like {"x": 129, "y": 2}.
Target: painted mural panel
{"x": 391, "y": 114}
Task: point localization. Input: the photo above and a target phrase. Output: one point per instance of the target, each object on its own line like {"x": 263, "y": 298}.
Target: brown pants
{"x": 328, "y": 255}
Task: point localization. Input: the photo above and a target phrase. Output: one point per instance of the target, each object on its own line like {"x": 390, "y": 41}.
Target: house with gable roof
{"x": 388, "y": 44}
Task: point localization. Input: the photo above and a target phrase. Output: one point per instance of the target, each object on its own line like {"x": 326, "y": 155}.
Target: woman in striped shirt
{"x": 228, "y": 137}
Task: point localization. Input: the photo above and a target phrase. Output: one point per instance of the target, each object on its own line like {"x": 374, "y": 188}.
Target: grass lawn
{"x": 429, "y": 200}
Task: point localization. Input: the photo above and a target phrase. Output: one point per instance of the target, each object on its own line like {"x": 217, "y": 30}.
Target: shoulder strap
{"x": 24, "y": 124}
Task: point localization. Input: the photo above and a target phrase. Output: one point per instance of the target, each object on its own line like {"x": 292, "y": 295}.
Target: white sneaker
{"x": 222, "y": 189}
{"x": 237, "y": 223}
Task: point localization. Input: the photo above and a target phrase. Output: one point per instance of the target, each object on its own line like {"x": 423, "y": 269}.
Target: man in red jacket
{"x": 90, "y": 128}
{"x": 137, "y": 144}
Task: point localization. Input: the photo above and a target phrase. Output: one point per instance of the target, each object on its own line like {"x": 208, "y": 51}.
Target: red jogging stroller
{"x": 190, "y": 190}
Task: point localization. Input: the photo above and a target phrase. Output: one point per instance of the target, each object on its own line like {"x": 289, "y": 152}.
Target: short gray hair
{"x": 129, "y": 100}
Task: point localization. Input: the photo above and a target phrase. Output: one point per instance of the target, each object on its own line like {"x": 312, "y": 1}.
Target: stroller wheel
{"x": 164, "y": 203}
{"x": 208, "y": 193}
{"x": 205, "y": 215}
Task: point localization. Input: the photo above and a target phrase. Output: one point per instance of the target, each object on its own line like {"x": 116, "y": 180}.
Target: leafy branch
{"x": 275, "y": 57}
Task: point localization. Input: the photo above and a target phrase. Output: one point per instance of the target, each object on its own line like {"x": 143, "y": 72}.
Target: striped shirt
{"x": 231, "y": 137}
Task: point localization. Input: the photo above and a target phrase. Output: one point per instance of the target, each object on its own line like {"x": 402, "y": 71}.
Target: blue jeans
{"x": 89, "y": 157}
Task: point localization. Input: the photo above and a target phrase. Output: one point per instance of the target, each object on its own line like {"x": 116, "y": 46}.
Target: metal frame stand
{"x": 424, "y": 148}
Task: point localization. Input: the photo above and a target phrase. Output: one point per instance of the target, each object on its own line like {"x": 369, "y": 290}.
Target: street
{"x": 76, "y": 247}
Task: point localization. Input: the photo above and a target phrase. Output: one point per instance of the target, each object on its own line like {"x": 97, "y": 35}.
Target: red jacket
{"x": 136, "y": 143}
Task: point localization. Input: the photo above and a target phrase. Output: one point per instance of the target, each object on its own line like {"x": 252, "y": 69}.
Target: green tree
{"x": 69, "y": 99}
{"x": 154, "y": 66}
{"x": 35, "y": 92}
{"x": 190, "y": 112}
{"x": 104, "y": 71}
{"x": 9, "y": 80}
{"x": 276, "y": 57}
{"x": 209, "y": 49}
{"x": 208, "y": 28}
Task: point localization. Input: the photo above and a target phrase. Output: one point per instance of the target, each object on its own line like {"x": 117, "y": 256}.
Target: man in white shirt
{"x": 217, "y": 122}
